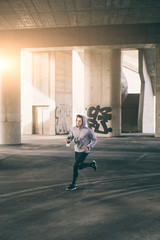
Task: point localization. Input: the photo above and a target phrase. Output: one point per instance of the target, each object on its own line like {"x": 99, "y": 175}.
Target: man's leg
{"x": 83, "y": 165}
{"x": 79, "y": 159}
{"x": 79, "y": 164}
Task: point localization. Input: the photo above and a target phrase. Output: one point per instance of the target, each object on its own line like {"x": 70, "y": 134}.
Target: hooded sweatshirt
{"x": 83, "y": 136}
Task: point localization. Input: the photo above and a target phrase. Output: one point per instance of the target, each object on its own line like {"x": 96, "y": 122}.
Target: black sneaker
{"x": 94, "y": 165}
{"x": 71, "y": 187}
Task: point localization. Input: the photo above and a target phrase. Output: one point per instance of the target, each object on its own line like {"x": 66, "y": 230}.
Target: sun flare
{"x": 4, "y": 64}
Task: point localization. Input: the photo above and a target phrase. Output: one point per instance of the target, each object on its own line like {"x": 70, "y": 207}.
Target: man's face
{"x": 79, "y": 122}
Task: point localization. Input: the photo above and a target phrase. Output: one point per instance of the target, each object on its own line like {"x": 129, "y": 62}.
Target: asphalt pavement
{"x": 120, "y": 201}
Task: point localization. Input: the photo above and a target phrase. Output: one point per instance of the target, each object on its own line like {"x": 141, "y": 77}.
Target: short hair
{"x": 79, "y": 116}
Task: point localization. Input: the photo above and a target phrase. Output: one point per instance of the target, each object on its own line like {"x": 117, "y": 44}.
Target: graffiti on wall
{"x": 63, "y": 118}
{"x": 97, "y": 118}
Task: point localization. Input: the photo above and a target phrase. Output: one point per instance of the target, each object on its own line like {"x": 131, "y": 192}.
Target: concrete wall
{"x": 95, "y": 91}
{"x": 51, "y": 109}
{"x": 41, "y": 78}
{"x": 47, "y": 92}
{"x": 35, "y": 92}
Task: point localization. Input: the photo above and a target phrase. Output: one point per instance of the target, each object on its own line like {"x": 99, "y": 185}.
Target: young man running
{"x": 84, "y": 140}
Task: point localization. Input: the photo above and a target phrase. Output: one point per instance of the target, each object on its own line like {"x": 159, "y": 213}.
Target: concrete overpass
{"x": 97, "y": 30}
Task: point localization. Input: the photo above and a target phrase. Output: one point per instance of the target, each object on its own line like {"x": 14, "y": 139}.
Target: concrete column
{"x": 146, "y": 103}
{"x": 52, "y": 93}
{"x": 63, "y": 91}
{"x": 116, "y": 92}
{"x": 141, "y": 97}
{"x": 10, "y": 126}
{"x": 26, "y": 92}
{"x": 157, "y": 108}
{"x": 78, "y": 83}
{"x": 102, "y": 91}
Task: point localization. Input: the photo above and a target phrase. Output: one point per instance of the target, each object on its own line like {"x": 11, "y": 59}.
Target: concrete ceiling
{"x": 53, "y": 14}
{"x": 33, "y": 14}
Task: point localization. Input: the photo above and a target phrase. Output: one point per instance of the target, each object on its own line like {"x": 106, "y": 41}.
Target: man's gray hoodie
{"x": 83, "y": 136}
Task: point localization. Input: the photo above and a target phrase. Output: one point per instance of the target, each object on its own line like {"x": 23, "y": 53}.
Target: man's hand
{"x": 85, "y": 149}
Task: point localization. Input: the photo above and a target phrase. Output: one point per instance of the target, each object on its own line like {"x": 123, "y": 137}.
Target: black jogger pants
{"x": 79, "y": 164}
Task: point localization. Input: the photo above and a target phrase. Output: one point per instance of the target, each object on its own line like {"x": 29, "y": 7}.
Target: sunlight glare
{"x": 4, "y": 64}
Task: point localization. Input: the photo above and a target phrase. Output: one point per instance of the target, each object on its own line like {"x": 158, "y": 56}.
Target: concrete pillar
{"x": 102, "y": 91}
{"x": 63, "y": 91}
{"x": 52, "y": 92}
{"x": 10, "y": 126}
{"x": 141, "y": 97}
{"x": 78, "y": 83}
{"x": 146, "y": 103}
{"x": 26, "y": 92}
{"x": 157, "y": 108}
{"x": 116, "y": 92}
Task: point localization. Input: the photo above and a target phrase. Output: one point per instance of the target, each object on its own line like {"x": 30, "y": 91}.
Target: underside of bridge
{"x": 60, "y": 58}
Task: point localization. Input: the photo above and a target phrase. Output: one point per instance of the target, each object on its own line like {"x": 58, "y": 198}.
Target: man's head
{"x": 79, "y": 121}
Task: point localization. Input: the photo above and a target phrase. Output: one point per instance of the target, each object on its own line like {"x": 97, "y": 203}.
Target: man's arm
{"x": 70, "y": 137}
{"x": 93, "y": 140}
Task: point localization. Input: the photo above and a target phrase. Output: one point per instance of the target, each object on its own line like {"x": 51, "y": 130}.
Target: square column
{"x": 102, "y": 91}
{"x": 26, "y": 92}
{"x": 157, "y": 108}
{"x": 116, "y": 91}
{"x": 146, "y": 103}
{"x": 63, "y": 91}
{"x": 10, "y": 120}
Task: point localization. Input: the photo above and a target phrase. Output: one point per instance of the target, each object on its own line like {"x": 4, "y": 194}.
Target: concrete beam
{"x": 82, "y": 36}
